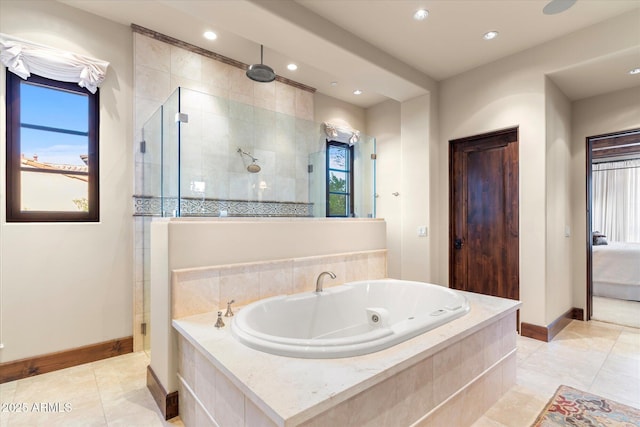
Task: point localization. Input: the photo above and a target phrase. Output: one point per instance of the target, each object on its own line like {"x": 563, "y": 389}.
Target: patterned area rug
{"x": 575, "y": 408}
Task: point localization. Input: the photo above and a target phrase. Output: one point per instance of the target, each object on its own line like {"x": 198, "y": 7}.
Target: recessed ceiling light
{"x": 357, "y": 92}
{"x": 210, "y": 35}
{"x": 334, "y": 84}
{"x": 292, "y": 67}
{"x": 421, "y": 14}
{"x": 490, "y": 35}
{"x": 635, "y": 71}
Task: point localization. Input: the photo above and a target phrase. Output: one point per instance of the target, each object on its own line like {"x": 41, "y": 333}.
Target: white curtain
{"x": 616, "y": 200}
{"x": 23, "y": 58}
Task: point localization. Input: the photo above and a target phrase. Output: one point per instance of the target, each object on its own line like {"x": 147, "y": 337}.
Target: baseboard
{"x": 546, "y": 333}
{"x": 31, "y": 366}
{"x": 167, "y": 402}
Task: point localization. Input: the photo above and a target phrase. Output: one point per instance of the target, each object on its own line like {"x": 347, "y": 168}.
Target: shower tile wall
{"x": 159, "y": 69}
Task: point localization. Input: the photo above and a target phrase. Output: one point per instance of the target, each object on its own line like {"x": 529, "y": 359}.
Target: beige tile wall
{"x": 201, "y": 290}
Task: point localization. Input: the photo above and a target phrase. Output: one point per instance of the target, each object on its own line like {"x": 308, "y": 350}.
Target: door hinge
{"x": 143, "y": 146}
{"x": 310, "y": 168}
{"x": 143, "y": 328}
{"x": 374, "y": 156}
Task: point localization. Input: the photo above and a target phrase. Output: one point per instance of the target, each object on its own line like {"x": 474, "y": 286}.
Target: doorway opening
{"x": 613, "y": 227}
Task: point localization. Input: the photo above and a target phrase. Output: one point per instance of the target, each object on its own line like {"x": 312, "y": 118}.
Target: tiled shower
{"x": 193, "y": 113}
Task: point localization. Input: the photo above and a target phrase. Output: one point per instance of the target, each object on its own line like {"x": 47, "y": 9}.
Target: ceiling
{"x": 377, "y": 47}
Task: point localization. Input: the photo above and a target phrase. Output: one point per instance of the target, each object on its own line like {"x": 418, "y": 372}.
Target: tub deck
{"x": 222, "y": 379}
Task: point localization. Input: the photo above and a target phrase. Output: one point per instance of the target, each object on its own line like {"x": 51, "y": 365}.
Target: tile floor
{"x": 597, "y": 357}
{"x": 110, "y": 392}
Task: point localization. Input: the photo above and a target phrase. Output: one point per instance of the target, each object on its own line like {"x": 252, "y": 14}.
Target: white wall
{"x": 383, "y": 122}
{"x": 329, "y": 109}
{"x": 598, "y": 115}
{"x": 418, "y": 259}
{"x": 558, "y": 160}
{"x": 67, "y": 285}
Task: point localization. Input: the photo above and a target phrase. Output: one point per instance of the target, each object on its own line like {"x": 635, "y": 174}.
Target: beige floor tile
{"x": 526, "y": 347}
{"x": 485, "y": 421}
{"x": 550, "y": 367}
{"x": 628, "y": 344}
{"x": 110, "y": 392}
{"x": 518, "y": 407}
{"x": 619, "y": 379}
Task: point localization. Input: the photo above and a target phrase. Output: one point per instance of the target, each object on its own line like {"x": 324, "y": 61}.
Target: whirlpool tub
{"x": 348, "y": 320}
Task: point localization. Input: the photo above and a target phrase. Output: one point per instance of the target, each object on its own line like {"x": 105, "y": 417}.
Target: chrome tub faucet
{"x": 319, "y": 279}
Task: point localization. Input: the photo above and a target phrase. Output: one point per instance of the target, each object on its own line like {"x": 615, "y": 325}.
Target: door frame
{"x": 498, "y": 134}
{"x": 610, "y": 142}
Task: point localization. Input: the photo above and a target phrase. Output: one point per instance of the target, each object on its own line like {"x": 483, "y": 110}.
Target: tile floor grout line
{"x": 95, "y": 378}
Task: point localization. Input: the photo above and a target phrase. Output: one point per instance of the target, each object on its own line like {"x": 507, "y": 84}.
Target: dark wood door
{"x": 484, "y": 214}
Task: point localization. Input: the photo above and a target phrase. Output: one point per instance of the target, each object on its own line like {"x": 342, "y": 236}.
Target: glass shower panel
{"x": 149, "y": 163}
{"x": 170, "y": 170}
{"x": 233, "y": 152}
{"x": 318, "y": 183}
{"x": 364, "y": 177}
{"x": 227, "y": 156}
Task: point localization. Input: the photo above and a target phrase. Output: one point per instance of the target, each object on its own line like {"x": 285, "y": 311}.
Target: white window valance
{"x": 23, "y": 58}
{"x": 341, "y": 134}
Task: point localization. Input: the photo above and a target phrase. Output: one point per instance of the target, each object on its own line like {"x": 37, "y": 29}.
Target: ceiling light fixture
{"x": 421, "y": 14}
{"x": 357, "y": 92}
{"x": 634, "y": 71}
{"x": 292, "y": 67}
{"x": 490, "y": 35}
{"x": 210, "y": 35}
{"x": 334, "y": 84}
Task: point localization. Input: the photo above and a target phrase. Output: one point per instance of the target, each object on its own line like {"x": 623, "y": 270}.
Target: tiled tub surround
{"x": 445, "y": 377}
{"x": 202, "y": 290}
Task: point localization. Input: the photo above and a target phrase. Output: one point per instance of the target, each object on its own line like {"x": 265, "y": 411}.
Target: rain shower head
{"x": 260, "y": 72}
{"x": 253, "y": 167}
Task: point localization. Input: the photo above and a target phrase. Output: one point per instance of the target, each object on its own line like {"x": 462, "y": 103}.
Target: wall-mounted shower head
{"x": 253, "y": 167}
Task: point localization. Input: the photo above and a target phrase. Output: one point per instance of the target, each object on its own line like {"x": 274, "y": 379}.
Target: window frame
{"x": 349, "y": 193}
{"x": 14, "y": 213}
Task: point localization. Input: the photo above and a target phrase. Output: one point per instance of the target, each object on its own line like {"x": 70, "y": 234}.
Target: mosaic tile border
{"x": 190, "y": 207}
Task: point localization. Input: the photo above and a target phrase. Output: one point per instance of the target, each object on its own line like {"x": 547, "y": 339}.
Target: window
{"x": 339, "y": 179}
{"x": 52, "y": 151}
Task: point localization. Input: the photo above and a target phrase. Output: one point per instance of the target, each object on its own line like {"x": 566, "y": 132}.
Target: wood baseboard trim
{"x": 547, "y": 333}
{"x": 31, "y": 366}
{"x": 167, "y": 402}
